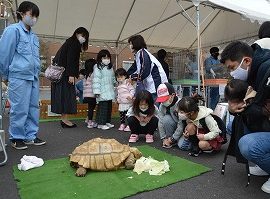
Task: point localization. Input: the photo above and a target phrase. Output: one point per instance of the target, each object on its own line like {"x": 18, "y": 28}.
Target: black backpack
{"x": 221, "y": 126}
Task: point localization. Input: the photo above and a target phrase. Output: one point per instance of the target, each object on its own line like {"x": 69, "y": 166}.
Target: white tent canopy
{"x": 161, "y": 22}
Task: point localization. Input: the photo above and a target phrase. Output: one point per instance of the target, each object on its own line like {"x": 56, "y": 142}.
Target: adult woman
{"x": 63, "y": 94}
{"x": 148, "y": 68}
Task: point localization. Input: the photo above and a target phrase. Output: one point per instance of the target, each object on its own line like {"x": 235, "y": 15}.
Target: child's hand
{"x": 129, "y": 98}
{"x": 186, "y": 134}
{"x": 200, "y": 137}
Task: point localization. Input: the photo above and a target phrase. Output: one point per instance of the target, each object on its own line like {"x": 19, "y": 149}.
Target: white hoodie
{"x": 211, "y": 123}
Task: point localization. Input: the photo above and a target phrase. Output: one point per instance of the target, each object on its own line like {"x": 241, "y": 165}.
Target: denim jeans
{"x": 214, "y": 97}
{"x": 255, "y": 147}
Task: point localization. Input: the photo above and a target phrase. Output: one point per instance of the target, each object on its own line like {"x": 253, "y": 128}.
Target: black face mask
{"x": 215, "y": 55}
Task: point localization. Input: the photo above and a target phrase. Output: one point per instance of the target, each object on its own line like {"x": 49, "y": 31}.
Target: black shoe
{"x": 195, "y": 151}
{"x": 64, "y": 125}
{"x": 18, "y": 144}
{"x": 36, "y": 142}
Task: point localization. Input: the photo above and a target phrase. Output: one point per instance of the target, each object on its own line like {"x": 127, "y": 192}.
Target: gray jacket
{"x": 173, "y": 113}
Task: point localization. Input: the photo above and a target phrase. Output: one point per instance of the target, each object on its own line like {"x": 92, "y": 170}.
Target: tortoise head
{"x": 137, "y": 154}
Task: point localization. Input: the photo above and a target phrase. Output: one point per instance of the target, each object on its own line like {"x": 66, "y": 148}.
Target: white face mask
{"x": 81, "y": 39}
{"x": 182, "y": 116}
{"x": 240, "y": 73}
{"x": 30, "y": 21}
{"x": 106, "y": 62}
{"x": 131, "y": 47}
{"x": 143, "y": 109}
{"x": 167, "y": 103}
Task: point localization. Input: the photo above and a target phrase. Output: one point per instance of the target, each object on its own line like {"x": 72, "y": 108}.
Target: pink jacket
{"x": 125, "y": 90}
{"x": 87, "y": 86}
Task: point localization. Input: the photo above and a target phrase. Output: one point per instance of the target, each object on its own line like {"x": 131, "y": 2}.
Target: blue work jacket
{"x": 19, "y": 53}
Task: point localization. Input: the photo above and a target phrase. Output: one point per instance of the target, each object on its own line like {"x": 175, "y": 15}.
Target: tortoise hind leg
{"x": 81, "y": 171}
{"x": 130, "y": 162}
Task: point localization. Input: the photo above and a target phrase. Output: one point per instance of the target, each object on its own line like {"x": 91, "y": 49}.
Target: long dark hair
{"x": 85, "y": 34}
{"x": 146, "y": 96}
{"x": 89, "y": 66}
{"x": 103, "y": 53}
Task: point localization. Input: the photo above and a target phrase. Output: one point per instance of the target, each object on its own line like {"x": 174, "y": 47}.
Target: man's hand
{"x": 97, "y": 95}
{"x": 167, "y": 142}
{"x": 236, "y": 107}
{"x": 213, "y": 73}
{"x": 71, "y": 80}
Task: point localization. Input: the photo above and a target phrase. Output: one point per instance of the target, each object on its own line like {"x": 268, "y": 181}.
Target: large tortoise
{"x": 103, "y": 155}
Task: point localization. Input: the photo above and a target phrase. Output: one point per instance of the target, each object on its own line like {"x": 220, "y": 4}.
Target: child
{"x": 200, "y": 139}
{"x": 88, "y": 95}
{"x": 103, "y": 88}
{"x": 79, "y": 86}
{"x": 125, "y": 93}
{"x": 142, "y": 117}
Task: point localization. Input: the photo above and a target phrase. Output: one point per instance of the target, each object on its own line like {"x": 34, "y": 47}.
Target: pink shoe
{"x": 127, "y": 129}
{"x": 122, "y": 127}
{"x": 149, "y": 138}
{"x": 133, "y": 138}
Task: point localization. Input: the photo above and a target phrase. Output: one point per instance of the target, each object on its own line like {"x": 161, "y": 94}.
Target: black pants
{"x": 136, "y": 128}
{"x": 91, "y": 101}
{"x": 104, "y": 112}
{"x": 123, "y": 116}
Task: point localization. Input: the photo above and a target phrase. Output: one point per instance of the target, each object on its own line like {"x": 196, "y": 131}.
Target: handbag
{"x": 54, "y": 73}
{"x": 139, "y": 85}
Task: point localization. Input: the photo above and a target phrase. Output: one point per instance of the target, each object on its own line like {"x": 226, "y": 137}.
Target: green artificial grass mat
{"x": 78, "y": 118}
{"x": 56, "y": 179}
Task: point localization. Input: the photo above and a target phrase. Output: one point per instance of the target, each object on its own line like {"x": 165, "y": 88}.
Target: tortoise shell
{"x": 100, "y": 154}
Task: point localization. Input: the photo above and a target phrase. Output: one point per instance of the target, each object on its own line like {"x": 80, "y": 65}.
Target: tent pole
{"x": 199, "y": 47}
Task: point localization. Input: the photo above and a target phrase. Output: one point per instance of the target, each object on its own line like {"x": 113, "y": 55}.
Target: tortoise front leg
{"x": 130, "y": 161}
{"x": 81, "y": 172}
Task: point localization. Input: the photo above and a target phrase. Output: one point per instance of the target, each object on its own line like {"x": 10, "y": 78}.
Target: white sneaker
{"x": 110, "y": 125}
{"x": 257, "y": 171}
{"x": 266, "y": 186}
{"x": 103, "y": 127}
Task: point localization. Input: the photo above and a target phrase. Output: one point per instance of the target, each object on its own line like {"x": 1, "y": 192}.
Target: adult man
{"x": 161, "y": 55}
{"x": 250, "y": 64}
{"x": 20, "y": 64}
{"x": 212, "y": 67}
{"x": 169, "y": 125}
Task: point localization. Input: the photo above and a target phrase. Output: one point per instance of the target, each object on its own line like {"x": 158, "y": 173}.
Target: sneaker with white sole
{"x": 18, "y": 144}
{"x": 36, "y": 142}
{"x": 110, "y": 125}
{"x": 266, "y": 186}
{"x": 103, "y": 127}
{"x": 257, "y": 171}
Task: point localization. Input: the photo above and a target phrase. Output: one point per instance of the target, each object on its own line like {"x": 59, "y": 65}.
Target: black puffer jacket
{"x": 254, "y": 118}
